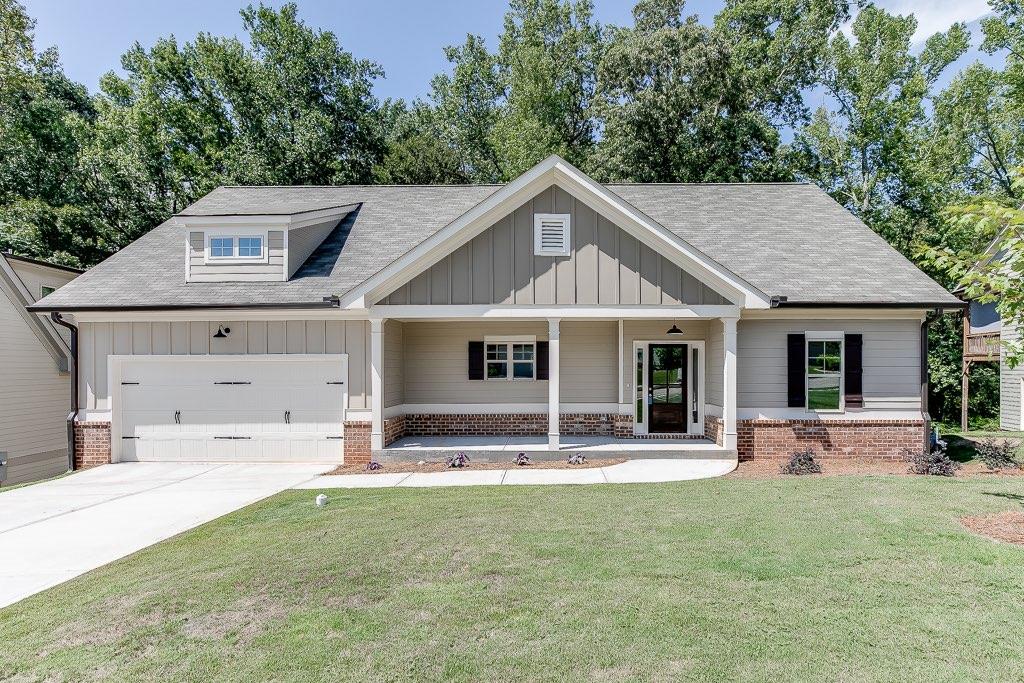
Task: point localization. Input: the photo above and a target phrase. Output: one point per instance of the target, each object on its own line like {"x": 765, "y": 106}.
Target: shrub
{"x": 998, "y": 454}
{"x": 936, "y": 463}
{"x": 521, "y": 459}
{"x": 373, "y": 465}
{"x": 577, "y": 459}
{"x": 801, "y": 462}
{"x": 460, "y": 459}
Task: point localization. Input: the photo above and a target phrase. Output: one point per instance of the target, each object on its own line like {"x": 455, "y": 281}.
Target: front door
{"x": 666, "y": 388}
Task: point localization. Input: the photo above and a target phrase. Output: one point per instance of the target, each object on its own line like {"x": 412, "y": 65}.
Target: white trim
{"x": 498, "y": 409}
{"x": 236, "y": 234}
{"x": 621, "y": 368}
{"x": 539, "y": 219}
{"x": 509, "y": 342}
{"x": 809, "y": 338}
{"x": 699, "y": 344}
{"x": 115, "y": 364}
{"x": 510, "y": 339}
{"x": 554, "y": 395}
{"x": 729, "y": 384}
{"x": 851, "y": 415}
{"x": 376, "y": 384}
{"x": 543, "y": 312}
{"x": 555, "y": 171}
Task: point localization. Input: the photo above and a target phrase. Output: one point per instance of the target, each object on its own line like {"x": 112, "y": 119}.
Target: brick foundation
{"x": 714, "y": 429}
{"x": 394, "y": 429}
{"x": 880, "y": 439}
{"x": 357, "y": 443}
{"x": 92, "y": 444}
{"x": 512, "y": 424}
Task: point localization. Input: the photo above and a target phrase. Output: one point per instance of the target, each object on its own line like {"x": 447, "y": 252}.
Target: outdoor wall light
{"x": 222, "y": 332}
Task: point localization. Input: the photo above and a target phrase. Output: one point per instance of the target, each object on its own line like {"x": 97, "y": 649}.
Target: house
{"x": 984, "y": 331}
{"x": 337, "y": 323}
{"x": 35, "y": 382}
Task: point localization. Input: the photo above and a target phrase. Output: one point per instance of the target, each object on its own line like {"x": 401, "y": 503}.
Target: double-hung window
{"x": 824, "y": 372}
{"x": 510, "y": 360}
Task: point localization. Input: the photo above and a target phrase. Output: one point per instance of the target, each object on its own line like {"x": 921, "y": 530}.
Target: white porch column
{"x": 729, "y": 383}
{"x": 553, "y": 405}
{"x": 377, "y": 384}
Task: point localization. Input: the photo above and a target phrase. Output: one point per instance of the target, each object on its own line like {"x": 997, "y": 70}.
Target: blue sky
{"x": 404, "y": 36}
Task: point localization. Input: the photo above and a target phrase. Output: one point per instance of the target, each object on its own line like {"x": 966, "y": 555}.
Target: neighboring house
{"x": 35, "y": 382}
{"x": 984, "y": 332}
{"x": 322, "y": 323}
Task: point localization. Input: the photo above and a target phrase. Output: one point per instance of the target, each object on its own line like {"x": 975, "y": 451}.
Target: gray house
{"x": 343, "y": 323}
{"x": 35, "y": 382}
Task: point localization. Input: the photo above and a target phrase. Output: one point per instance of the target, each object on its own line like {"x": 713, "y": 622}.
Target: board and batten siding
{"x": 35, "y": 399}
{"x": 200, "y": 271}
{"x": 98, "y": 340}
{"x": 891, "y": 360}
{"x": 606, "y": 265}
{"x": 1011, "y": 386}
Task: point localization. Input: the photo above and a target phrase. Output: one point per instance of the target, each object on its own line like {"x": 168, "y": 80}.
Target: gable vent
{"x": 551, "y": 234}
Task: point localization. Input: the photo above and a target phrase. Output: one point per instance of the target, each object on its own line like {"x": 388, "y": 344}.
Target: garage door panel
{"x": 286, "y": 411}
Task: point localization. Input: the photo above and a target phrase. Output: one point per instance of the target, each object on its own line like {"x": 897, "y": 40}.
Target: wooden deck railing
{"x": 984, "y": 346}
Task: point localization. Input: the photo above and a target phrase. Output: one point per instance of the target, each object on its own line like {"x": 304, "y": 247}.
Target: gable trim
{"x": 554, "y": 171}
{"x": 19, "y": 296}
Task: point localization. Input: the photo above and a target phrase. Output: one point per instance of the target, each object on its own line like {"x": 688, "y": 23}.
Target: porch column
{"x": 729, "y": 383}
{"x": 377, "y": 384}
{"x": 553, "y": 406}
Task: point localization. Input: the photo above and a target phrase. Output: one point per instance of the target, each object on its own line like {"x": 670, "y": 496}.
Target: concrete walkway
{"x": 631, "y": 471}
{"x": 53, "y": 531}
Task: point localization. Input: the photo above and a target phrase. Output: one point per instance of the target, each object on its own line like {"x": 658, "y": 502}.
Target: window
{"x": 521, "y": 356}
{"x": 250, "y": 247}
{"x": 222, "y": 247}
{"x": 551, "y": 234}
{"x": 824, "y": 374}
{"x": 46, "y": 290}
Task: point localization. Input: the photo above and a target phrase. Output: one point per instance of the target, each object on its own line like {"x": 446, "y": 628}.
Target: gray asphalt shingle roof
{"x": 785, "y": 239}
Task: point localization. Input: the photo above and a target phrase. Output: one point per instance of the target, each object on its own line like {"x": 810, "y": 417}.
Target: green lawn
{"x": 839, "y": 578}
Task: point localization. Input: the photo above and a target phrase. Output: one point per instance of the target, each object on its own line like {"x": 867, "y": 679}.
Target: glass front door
{"x": 667, "y": 404}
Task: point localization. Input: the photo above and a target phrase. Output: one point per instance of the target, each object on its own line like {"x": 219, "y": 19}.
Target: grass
{"x": 839, "y": 578}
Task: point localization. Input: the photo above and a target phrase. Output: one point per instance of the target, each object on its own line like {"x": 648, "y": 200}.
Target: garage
{"x": 276, "y": 408}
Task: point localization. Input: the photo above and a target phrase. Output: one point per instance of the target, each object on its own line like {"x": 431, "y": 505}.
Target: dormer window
{"x": 238, "y": 248}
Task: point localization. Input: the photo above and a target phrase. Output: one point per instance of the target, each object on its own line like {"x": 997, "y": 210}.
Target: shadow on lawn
{"x": 1016, "y": 497}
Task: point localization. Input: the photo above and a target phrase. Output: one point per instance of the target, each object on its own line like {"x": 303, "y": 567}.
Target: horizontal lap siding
{"x": 655, "y": 330}
{"x": 891, "y": 359}
{"x": 394, "y": 380}
{"x": 99, "y": 340}
{"x": 34, "y": 397}
{"x": 1010, "y": 387}
{"x": 606, "y": 265}
{"x": 200, "y": 271}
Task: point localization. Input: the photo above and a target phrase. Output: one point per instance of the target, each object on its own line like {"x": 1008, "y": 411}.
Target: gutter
{"x": 328, "y": 302}
{"x": 58, "y": 320}
{"x": 783, "y": 302}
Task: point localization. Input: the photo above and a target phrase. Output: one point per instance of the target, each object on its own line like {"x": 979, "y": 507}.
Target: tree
{"x": 864, "y": 150}
{"x": 674, "y": 108}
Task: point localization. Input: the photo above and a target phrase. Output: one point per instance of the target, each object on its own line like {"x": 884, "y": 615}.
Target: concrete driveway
{"x": 53, "y": 531}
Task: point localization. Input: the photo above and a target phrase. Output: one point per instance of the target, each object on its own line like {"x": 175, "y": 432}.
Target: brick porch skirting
{"x": 357, "y": 442}
{"x": 881, "y": 439}
{"x": 508, "y": 424}
{"x": 92, "y": 444}
{"x": 714, "y": 429}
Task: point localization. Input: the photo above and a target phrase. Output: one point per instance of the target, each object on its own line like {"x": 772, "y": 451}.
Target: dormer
{"x": 250, "y": 247}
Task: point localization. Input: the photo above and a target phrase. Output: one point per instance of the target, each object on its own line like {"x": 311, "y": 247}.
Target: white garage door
{"x": 245, "y": 409}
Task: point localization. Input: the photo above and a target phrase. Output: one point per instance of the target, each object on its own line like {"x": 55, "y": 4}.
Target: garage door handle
{"x": 233, "y": 438}
{"x": 335, "y": 382}
{"x": 177, "y": 417}
{"x": 125, "y": 384}
{"x": 287, "y": 417}
{"x": 335, "y": 437}
{"x": 232, "y": 382}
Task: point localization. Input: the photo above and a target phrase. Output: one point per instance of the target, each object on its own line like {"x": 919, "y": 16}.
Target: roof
{"x": 40, "y": 262}
{"x": 787, "y": 239}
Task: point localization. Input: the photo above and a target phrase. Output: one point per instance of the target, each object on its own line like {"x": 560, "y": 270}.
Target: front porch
{"x": 505, "y": 448}
{"x": 658, "y": 384}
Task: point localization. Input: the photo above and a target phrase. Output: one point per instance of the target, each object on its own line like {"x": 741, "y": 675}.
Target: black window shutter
{"x": 476, "y": 360}
{"x": 542, "y": 360}
{"x": 853, "y": 370}
{"x": 796, "y": 370}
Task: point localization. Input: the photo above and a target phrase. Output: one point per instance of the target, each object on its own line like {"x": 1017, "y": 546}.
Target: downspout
{"x": 57, "y": 319}
{"x": 925, "y": 375}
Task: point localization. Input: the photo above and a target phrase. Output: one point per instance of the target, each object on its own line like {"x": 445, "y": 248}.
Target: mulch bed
{"x": 769, "y": 469}
{"x": 401, "y": 467}
{"x": 1001, "y": 526}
